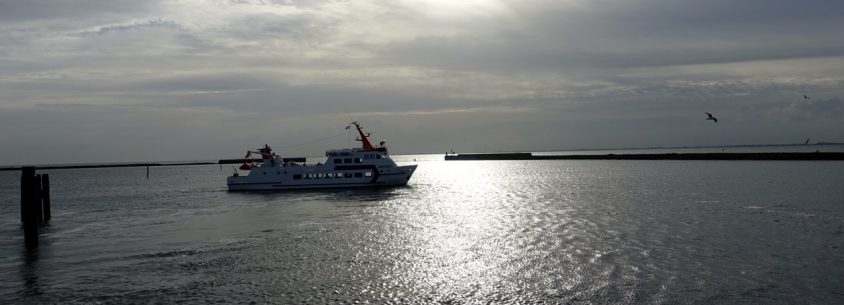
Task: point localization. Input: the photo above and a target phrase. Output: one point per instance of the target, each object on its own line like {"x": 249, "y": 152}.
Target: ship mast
{"x": 364, "y": 138}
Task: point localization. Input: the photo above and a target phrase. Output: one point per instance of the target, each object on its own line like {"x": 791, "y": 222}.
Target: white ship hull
{"x": 282, "y": 178}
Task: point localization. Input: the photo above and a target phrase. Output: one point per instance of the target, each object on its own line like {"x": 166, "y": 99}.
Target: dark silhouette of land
{"x": 782, "y": 156}
{"x": 817, "y": 155}
{"x": 108, "y": 165}
{"x": 778, "y": 156}
{"x": 142, "y": 164}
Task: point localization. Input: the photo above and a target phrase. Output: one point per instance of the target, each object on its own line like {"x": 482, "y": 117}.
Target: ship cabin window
{"x": 329, "y": 175}
{"x": 358, "y": 175}
{"x": 347, "y": 175}
{"x": 320, "y": 175}
{"x": 338, "y": 161}
{"x": 344, "y": 154}
{"x": 358, "y": 160}
{"x": 347, "y": 160}
{"x": 367, "y": 174}
{"x": 338, "y": 175}
{"x": 297, "y": 177}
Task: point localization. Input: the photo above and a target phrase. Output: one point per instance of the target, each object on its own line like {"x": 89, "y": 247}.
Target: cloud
{"x": 12, "y": 11}
{"x": 580, "y": 34}
{"x": 442, "y": 111}
{"x": 154, "y": 23}
{"x": 814, "y": 109}
{"x": 640, "y": 71}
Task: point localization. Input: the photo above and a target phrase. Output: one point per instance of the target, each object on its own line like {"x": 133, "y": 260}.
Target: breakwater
{"x": 773, "y": 156}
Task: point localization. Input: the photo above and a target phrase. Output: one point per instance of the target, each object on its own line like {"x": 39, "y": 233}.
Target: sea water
{"x": 461, "y": 232}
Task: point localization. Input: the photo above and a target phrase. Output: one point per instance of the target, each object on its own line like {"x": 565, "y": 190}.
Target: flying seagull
{"x": 806, "y": 97}
{"x": 711, "y": 117}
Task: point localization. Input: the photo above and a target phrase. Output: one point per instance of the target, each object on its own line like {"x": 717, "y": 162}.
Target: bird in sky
{"x": 807, "y": 141}
{"x": 711, "y": 117}
{"x": 806, "y": 97}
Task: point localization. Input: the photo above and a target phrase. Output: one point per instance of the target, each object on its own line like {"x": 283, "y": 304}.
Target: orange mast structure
{"x": 364, "y": 139}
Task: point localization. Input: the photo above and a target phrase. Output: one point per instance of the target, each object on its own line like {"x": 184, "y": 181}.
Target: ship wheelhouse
{"x": 356, "y": 156}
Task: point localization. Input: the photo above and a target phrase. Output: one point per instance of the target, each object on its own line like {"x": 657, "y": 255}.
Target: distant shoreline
{"x": 561, "y": 156}
{"x": 109, "y": 165}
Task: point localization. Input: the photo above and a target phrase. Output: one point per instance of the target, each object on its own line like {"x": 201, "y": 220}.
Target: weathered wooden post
{"x": 28, "y": 196}
{"x": 45, "y": 196}
{"x": 147, "y": 171}
{"x": 36, "y": 200}
{"x": 24, "y": 172}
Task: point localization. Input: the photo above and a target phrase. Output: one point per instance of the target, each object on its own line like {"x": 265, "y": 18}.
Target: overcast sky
{"x": 106, "y": 81}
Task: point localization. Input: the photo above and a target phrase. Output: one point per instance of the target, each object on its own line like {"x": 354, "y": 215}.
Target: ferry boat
{"x": 367, "y": 166}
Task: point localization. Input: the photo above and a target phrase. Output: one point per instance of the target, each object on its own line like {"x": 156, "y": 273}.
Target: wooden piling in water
{"x": 36, "y": 200}
{"x": 45, "y": 196}
{"x": 23, "y": 191}
{"x": 35, "y": 203}
{"x": 28, "y": 212}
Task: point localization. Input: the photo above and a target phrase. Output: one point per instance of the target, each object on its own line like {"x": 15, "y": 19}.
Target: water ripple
{"x": 543, "y": 232}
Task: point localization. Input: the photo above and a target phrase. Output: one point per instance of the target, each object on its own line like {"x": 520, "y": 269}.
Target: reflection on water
{"x": 29, "y": 272}
{"x": 461, "y": 232}
{"x": 352, "y": 195}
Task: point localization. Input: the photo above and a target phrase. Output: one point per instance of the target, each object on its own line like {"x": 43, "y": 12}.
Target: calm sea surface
{"x": 472, "y": 232}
